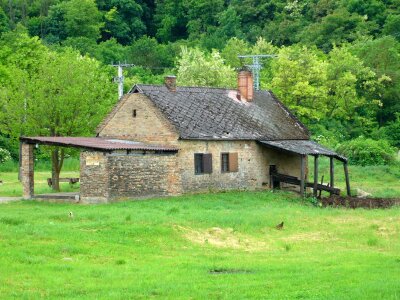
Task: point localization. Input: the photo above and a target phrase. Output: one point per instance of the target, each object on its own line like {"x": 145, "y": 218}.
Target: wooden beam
{"x": 302, "y": 174}
{"x": 346, "y": 174}
{"x": 332, "y": 172}
{"x": 315, "y": 176}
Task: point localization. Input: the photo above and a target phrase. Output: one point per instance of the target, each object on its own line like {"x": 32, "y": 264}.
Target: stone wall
{"x": 107, "y": 177}
{"x": 148, "y": 125}
{"x": 94, "y": 177}
{"x": 143, "y": 176}
{"x": 253, "y": 165}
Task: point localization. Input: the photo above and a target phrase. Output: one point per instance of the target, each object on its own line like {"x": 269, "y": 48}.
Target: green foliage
{"x": 367, "y": 152}
{"x": 5, "y": 155}
{"x": 198, "y": 68}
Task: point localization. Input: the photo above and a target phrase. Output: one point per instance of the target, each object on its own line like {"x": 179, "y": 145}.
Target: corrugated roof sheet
{"x": 95, "y": 143}
{"x": 304, "y": 147}
{"x": 215, "y": 113}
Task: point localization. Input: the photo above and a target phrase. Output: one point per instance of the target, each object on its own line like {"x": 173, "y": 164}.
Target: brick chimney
{"x": 170, "y": 82}
{"x": 245, "y": 85}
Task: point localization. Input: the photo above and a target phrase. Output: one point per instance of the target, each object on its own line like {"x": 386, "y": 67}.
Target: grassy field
{"x": 214, "y": 246}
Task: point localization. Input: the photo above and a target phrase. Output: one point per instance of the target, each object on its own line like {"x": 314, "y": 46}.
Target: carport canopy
{"x": 303, "y": 147}
{"x": 307, "y": 147}
{"x": 96, "y": 143}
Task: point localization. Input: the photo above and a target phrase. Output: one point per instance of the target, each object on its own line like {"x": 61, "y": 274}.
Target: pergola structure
{"x": 95, "y": 144}
{"x": 304, "y": 148}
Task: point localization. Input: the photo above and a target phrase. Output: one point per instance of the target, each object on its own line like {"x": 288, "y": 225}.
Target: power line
{"x": 120, "y": 78}
{"x": 256, "y": 66}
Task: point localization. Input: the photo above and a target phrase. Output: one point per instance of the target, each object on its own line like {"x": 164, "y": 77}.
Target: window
{"x": 202, "y": 163}
{"x": 229, "y": 162}
{"x": 134, "y": 113}
{"x": 224, "y": 162}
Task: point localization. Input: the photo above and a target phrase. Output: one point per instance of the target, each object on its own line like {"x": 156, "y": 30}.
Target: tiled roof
{"x": 215, "y": 113}
{"x": 303, "y": 147}
{"x": 95, "y": 143}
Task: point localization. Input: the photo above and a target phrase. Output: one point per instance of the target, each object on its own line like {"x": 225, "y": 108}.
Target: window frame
{"x": 225, "y": 162}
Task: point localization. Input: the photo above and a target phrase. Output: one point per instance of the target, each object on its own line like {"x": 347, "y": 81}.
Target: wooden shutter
{"x": 207, "y": 163}
{"x": 233, "y": 162}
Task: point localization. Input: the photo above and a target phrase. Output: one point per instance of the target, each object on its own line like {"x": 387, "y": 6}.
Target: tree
{"x": 198, "y": 68}
{"x": 67, "y": 95}
{"x": 392, "y": 26}
{"x": 82, "y": 18}
{"x": 300, "y": 81}
{"x": 3, "y": 22}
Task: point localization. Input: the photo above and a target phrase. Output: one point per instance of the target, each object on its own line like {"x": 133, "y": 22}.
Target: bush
{"x": 367, "y": 152}
{"x": 4, "y": 155}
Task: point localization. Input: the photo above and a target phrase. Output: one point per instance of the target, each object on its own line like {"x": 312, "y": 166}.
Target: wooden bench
{"x": 70, "y": 180}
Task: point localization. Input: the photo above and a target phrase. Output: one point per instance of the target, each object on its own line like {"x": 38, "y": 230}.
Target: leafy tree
{"x": 392, "y": 26}
{"x": 82, "y": 18}
{"x": 232, "y": 49}
{"x": 170, "y": 19}
{"x": 4, "y": 26}
{"x": 335, "y": 29}
{"x": 198, "y": 68}
{"x": 300, "y": 81}
{"x": 383, "y": 57}
{"x": 67, "y": 95}
{"x": 148, "y": 52}
{"x": 124, "y": 19}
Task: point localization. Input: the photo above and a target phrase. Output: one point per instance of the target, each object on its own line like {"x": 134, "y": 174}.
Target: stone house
{"x": 164, "y": 140}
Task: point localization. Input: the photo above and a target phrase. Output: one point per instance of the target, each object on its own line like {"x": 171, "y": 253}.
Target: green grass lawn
{"x": 12, "y": 187}
{"x": 210, "y": 246}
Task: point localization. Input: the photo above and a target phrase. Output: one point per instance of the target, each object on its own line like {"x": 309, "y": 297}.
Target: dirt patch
{"x": 354, "y": 202}
{"x": 222, "y": 238}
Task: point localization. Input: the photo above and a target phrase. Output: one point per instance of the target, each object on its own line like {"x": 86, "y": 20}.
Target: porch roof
{"x": 303, "y": 147}
{"x": 96, "y": 143}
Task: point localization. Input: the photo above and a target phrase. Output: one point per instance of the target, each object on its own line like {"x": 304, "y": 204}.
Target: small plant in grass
{"x": 287, "y": 247}
{"x": 128, "y": 218}
{"x": 120, "y": 262}
{"x": 4, "y": 155}
{"x": 314, "y": 201}
{"x": 373, "y": 241}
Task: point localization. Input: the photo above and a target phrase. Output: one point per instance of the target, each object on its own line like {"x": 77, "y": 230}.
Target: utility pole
{"x": 120, "y": 78}
{"x": 256, "y": 66}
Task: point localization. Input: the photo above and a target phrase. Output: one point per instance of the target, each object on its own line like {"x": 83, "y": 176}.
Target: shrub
{"x": 367, "y": 152}
{"x": 4, "y": 155}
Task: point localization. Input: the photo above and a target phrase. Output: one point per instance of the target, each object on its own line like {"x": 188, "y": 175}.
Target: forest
{"x": 336, "y": 63}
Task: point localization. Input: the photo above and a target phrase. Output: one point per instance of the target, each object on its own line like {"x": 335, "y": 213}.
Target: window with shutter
{"x": 233, "y": 162}
{"x": 207, "y": 163}
{"x": 198, "y": 163}
{"x": 224, "y": 162}
{"x": 202, "y": 163}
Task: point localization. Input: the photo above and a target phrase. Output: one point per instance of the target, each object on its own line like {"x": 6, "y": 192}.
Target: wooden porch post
{"x": 302, "y": 174}
{"x": 346, "y": 174}
{"x": 332, "y": 173}
{"x": 315, "y": 175}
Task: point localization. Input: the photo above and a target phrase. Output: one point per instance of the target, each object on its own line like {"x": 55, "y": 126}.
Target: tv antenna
{"x": 256, "y": 66}
{"x": 120, "y": 78}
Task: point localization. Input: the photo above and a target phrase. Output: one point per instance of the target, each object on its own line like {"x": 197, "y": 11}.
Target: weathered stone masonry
{"x": 27, "y": 161}
{"x": 118, "y": 175}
